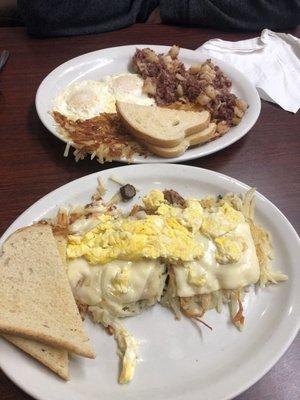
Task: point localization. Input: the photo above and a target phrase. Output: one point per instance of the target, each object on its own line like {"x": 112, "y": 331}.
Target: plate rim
{"x": 285, "y": 343}
{"x": 153, "y": 159}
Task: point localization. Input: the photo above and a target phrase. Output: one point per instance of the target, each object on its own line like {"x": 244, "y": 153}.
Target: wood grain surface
{"x": 32, "y": 162}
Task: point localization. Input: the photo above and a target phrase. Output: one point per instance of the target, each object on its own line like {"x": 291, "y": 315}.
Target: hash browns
{"x": 103, "y": 137}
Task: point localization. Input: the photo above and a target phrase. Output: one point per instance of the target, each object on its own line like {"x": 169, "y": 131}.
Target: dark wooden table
{"x": 31, "y": 161}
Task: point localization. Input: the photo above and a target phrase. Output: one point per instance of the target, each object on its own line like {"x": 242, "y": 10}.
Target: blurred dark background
{"x": 9, "y": 14}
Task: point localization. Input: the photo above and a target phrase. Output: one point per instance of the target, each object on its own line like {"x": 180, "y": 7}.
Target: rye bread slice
{"x": 161, "y": 126}
{"x": 192, "y": 140}
{"x": 36, "y": 301}
{"x": 55, "y": 359}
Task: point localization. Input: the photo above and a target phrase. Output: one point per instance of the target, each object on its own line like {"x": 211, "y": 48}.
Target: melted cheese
{"x": 83, "y": 225}
{"x": 116, "y": 284}
{"x": 207, "y": 275}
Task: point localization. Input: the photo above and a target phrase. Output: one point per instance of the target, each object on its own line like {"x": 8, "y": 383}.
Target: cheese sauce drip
{"x": 210, "y": 249}
{"x": 117, "y": 284}
{"x": 209, "y": 274}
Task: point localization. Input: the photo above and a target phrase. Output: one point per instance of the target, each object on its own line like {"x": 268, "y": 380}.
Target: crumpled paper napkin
{"x": 271, "y": 62}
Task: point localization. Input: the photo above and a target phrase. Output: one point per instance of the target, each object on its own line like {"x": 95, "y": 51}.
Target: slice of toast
{"x": 161, "y": 126}
{"x": 192, "y": 140}
{"x": 55, "y": 359}
{"x": 36, "y": 301}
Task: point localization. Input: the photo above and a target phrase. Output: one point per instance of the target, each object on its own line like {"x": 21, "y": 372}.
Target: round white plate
{"x": 177, "y": 359}
{"x": 116, "y": 60}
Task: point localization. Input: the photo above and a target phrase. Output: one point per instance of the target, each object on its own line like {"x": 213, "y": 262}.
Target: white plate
{"x": 115, "y": 60}
{"x": 178, "y": 361}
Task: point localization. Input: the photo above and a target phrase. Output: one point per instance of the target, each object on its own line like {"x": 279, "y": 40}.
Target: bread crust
{"x": 36, "y": 301}
{"x": 147, "y": 134}
{"x": 55, "y": 359}
{"x": 192, "y": 140}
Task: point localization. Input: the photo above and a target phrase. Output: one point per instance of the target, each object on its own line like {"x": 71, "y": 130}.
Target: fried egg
{"x": 87, "y": 99}
{"x": 128, "y": 88}
{"x": 84, "y": 100}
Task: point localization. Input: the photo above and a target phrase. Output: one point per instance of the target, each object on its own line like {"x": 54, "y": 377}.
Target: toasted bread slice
{"x": 36, "y": 301}
{"x": 55, "y": 359}
{"x": 192, "y": 140}
{"x": 61, "y": 243}
{"x": 160, "y": 126}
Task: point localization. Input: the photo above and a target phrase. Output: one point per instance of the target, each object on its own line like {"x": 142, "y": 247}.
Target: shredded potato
{"x": 103, "y": 137}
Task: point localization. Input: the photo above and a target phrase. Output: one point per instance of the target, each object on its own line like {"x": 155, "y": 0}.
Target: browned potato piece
{"x": 195, "y": 68}
{"x": 222, "y": 127}
{"x": 149, "y": 87}
{"x": 241, "y": 104}
{"x": 174, "y": 51}
{"x": 238, "y": 112}
{"x": 203, "y": 99}
{"x": 151, "y": 56}
{"x": 179, "y": 90}
{"x": 236, "y": 120}
{"x": 210, "y": 91}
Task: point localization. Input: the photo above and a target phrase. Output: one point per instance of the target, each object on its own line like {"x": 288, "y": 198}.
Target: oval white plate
{"x": 116, "y": 60}
{"x": 178, "y": 360}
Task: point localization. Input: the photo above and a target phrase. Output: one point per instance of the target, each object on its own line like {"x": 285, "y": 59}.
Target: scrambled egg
{"x": 121, "y": 281}
{"x": 229, "y": 249}
{"x": 154, "y": 199}
{"x": 218, "y": 223}
{"x": 118, "y": 267}
{"x": 190, "y": 217}
{"x": 131, "y": 239}
{"x": 128, "y": 348}
{"x": 195, "y": 279}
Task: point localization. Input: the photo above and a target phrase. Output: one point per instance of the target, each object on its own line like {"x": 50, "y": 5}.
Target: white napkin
{"x": 271, "y": 62}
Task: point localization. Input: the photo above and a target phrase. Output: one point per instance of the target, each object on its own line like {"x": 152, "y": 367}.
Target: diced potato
{"x": 222, "y": 127}
{"x": 238, "y": 112}
{"x": 149, "y": 87}
{"x": 174, "y": 51}
{"x": 203, "y": 99}
{"x": 210, "y": 91}
{"x": 179, "y": 90}
{"x": 195, "y": 68}
{"x": 236, "y": 120}
{"x": 241, "y": 104}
